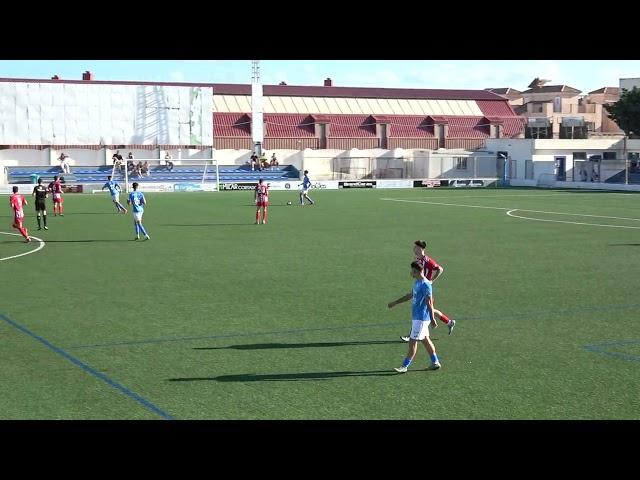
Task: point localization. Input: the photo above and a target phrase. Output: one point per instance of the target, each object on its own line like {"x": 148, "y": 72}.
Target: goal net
{"x": 547, "y": 180}
{"x": 186, "y": 174}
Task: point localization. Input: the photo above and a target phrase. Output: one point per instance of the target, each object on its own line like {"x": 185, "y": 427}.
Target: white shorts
{"x": 305, "y": 192}
{"x": 137, "y": 216}
{"x": 115, "y": 198}
{"x": 420, "y": 329}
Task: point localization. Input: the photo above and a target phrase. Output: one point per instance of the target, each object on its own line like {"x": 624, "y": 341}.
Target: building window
{"x": 579, "y": 155}
{"x": 573, "y": 132}
{"x": 461, "y": 163}
{"x": 608, "y": 155}
{"x": 538, "y": 132}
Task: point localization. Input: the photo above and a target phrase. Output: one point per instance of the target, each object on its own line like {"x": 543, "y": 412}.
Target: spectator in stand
{"x": 64, "y": 164}
{"x": 118, "y": 162}
{"x": 274, "y": 161}
{"x": 168, "y": 162}
{"x": 139, "y": 169}
{"x": 145, "y": 168}
{"x": 254, "y": 160}
{"x": 264, "y": 162}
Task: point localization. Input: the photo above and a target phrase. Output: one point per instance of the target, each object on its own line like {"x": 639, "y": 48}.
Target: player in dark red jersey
{"x": 17, "y": 201}
{"x": 432, "y": 270}
{"x": 55, "y": 188}
{"x": 262, "y": 200}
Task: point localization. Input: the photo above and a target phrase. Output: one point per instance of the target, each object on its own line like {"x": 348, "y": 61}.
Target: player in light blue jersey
{"x": 137, "y": 201}
{"x": 422, "y": 314}
{"x": 306, "y": 185}
{"x": 114, "y": 190}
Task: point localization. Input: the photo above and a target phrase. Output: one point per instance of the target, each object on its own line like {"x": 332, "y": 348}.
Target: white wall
{"x": 34, "y": 113}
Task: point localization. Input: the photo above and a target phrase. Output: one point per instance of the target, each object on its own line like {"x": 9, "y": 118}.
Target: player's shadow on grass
{"x": 205, "y": 224}
{"x": 290, "y": 377}
{"x": 86, "y": 241}
{"x": 266, "y": 346}
{"x": 624, "y": 244}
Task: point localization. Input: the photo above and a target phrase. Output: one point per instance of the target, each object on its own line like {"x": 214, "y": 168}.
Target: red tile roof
{"x": 553, "y": 88}
{"x": 289, "y": 125}
{"x": 410, "y": 127}
{"x": 468, "y": 127}
{"x": 231, "y": 125}
{"x": 350, "y": 126}
{"x": 355, "y": 92}
{"x": 495, "y": 109}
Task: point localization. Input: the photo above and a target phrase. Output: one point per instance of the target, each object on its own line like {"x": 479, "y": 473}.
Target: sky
{"x": 585, "y": 75}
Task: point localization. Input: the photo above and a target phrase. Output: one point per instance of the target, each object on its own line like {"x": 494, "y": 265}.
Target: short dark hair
{"x": 55, "y": 177}
{"x": 39, "y": 179}
{"x": 420, "y": 243}
{"x": 416, "y": 266}
{"x": 135, "y": 185}
{"x": 260, "y": 181}
{"x": 15, "y": 189}
{"x": 306, "y": 171}
{"x": 109, "y": 177}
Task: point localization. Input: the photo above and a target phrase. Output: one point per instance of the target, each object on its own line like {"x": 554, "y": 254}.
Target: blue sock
{"x": 406, "y": 363}
{"x": 143, "y": 230}
{"x": 137, "y": 231}
{"x": 434, "y": 358}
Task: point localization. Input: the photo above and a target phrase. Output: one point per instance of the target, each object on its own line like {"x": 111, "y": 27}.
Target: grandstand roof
{"x": 297, "y": 90}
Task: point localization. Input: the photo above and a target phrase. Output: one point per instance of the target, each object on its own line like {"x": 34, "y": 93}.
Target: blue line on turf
{"x": 145, "y": 403}
{"x": 600, "y": 348}
{"x": 525, "y": 315}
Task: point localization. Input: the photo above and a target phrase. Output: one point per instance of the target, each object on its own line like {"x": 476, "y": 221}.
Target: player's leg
{"x": 301, "y": 198}
{"x": 417, "y": 328}
{"x": 23, "y": 231}
{"x": 449, "y": 322}
{"x": 431, "y": 349}
{"x": 38, "y": 218}
{"x": 309, "y": 198}
{"x": 44, "y": 218}
{"x": 257, "y": 214}
{"x": 264, "y": 214}
{"x": 142, "y": 229}
{"x": 60, "y": 207}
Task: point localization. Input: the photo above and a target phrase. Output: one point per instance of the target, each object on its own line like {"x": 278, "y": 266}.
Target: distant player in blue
{"x": 115, "y": 190}
{"x": 306, "y": 185}
{"x": 422, "y": 315}
{"x": 137, "y": 201}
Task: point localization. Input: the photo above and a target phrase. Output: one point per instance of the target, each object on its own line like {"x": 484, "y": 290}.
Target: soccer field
{"x": 218, "y": 318}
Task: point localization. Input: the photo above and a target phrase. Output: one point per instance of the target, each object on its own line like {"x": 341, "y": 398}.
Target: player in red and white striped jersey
{"x": 262, "y": 200}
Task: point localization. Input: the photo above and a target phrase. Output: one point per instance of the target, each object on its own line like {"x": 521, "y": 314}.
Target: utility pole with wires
{"x": 257, "y": 109}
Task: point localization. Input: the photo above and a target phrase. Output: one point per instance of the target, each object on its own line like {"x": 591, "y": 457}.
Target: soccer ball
{"x": 288, "y": 203}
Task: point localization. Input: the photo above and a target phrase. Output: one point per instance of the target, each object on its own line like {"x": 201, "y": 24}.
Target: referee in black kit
{"x": 40, "y": 192}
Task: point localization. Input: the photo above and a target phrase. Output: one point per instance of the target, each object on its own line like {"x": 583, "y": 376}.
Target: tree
{"x": 626, "y": 111}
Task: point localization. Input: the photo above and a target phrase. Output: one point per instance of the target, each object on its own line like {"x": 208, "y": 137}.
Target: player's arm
{"x": 429, "y": 301}
{"x": 400, "y": 300}
{"x": 33, "y": 194}
{"x": 437, "y": 272}
{"x": 128, "y": 200}
{"x": 24, "y": 201}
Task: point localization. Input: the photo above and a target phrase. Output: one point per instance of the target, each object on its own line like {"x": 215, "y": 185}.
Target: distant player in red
{"x": 17, "y": 201}
{"x": 262, "y": 200}
{"x": 431, "y": 271}
{"x": 55, "y": 188}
